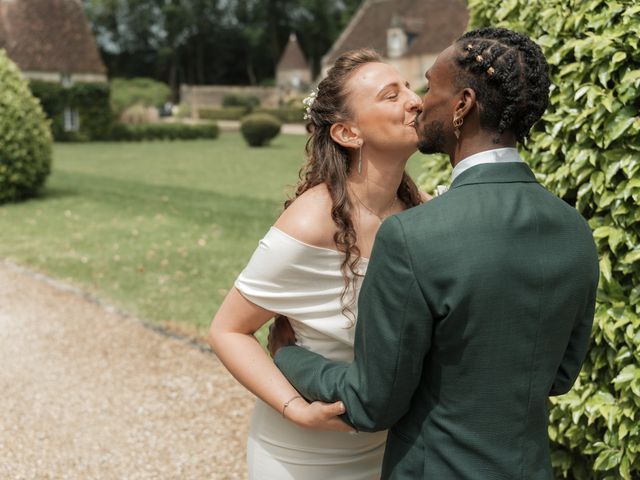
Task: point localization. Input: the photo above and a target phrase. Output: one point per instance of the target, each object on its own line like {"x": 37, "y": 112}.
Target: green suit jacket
{"x": 475, "y": 308}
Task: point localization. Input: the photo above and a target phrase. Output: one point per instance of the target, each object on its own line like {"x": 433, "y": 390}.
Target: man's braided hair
{"x": 510, "y": 76}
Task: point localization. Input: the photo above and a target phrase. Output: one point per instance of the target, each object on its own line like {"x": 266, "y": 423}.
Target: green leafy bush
{"x": 25, "y": 139}
{"x": 226, "y": 113}
{"x": 285, "y": 114}
{"x": 163, "y": 131}
{"x": 586, "y": 149}
{"x": 258, "y": 129}
{"x": 91, "y": 100}
{"x": 126, "y": 93}
{"x": 248, "y": 102}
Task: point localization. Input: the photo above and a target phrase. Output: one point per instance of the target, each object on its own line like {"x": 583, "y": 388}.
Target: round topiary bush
{"x": 259, "y": 129}
{"x": 25, "y": 138}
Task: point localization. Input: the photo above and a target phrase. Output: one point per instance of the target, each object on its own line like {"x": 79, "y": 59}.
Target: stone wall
{"x": 211, "y": 96}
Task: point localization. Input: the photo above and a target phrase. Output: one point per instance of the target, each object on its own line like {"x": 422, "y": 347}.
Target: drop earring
{"x": 457, "y": 123}
{"x": 360, "y": 159}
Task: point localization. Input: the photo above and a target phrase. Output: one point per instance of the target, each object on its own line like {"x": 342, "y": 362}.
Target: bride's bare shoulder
{"x": 308, "y": 218}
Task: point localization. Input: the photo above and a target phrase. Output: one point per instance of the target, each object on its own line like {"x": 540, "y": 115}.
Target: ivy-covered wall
{"x": 91, "y": 100}
{"x": 586, "y": 149}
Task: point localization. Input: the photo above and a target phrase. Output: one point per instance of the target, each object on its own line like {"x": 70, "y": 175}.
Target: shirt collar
{"x": 497, "y": 155}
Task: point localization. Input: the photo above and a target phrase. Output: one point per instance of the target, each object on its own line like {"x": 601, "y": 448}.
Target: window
{"x": 71, "y": 120}
{"x": 66, "y": 80}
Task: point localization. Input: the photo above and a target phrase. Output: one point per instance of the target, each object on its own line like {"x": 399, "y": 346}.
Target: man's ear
{"x": 465, "y": 103}
{"x": 345, "y": 135}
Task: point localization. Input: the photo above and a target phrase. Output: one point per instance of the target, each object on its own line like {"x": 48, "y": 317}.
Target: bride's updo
{"x": 328, "y": 162}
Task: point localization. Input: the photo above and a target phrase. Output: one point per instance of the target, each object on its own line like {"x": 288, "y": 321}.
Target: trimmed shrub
{"x": 226, "y": 113}
{"x": 586, "y": 150}
{"x": 139, "y": 114}
{"x": 127, "y": 92}
{"x": 248, "y": 102}
{"x": 91, "y": 100}
{"x": 258, "y": 129}
{"x": 285, "y": 114}
{"x": 25, "y": 139}
{"x": 163, "y": 131}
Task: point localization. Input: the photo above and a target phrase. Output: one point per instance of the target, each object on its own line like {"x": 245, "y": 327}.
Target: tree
{"x": 211, "y": 41}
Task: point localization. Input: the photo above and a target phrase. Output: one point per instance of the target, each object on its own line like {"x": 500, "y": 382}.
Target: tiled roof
{"x": 292, "y": 58}
{"x": 433, "y": 25}
{"x": 49, "y": 36}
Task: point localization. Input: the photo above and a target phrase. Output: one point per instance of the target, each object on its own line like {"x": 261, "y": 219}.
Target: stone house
{"x": 50, "y": 41}
{"x": 409, "y": 34}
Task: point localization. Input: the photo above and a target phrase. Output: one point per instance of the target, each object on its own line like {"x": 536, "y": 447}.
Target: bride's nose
{"x": 414, "y": 103}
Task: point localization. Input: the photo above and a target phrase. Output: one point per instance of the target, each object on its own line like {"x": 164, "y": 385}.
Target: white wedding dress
{"x": 304, "y": 283}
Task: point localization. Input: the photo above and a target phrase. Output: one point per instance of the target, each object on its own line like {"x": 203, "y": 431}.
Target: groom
{"x": 477, "y": 305}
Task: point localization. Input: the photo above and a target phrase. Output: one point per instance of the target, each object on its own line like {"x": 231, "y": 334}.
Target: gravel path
{"x": 86, "y": 393}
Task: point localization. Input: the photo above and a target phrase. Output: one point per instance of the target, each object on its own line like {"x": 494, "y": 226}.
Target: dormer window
{"x": 396, "y": 42}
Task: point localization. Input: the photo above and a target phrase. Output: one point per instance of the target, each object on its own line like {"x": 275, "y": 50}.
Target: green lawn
{"x": 159, "y": 229}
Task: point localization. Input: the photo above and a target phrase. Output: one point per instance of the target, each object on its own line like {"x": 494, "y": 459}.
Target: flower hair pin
{"x": 308, "y": 102}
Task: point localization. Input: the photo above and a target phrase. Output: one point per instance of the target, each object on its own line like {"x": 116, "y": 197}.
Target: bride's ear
{"x": 345, "y": 135}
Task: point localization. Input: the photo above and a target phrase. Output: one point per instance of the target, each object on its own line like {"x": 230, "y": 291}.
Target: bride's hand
{"x": 318, "y": 416}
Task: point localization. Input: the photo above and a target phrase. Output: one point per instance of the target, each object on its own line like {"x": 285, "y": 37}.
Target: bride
{"x": 310, "y": 264}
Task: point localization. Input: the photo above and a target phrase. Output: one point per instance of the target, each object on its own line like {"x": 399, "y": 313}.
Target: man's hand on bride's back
{"x": 318, "y": 416}
{"x": 281, "y": 334}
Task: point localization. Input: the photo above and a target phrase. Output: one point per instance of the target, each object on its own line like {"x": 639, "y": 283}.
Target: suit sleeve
{"x": 578, "y": 344}
{"x": 392, "y": 338}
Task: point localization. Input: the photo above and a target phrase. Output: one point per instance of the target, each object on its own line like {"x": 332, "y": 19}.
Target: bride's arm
{"x": 232, "y": 338}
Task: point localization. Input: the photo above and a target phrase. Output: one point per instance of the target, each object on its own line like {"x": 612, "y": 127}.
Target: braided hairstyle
{"x": 510, "y": 76}
{"x": 328, "y": 163}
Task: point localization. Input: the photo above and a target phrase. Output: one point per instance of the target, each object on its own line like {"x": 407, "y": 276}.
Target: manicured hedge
{"x": 127, "y": 92}
{"x": 248, "y": 102}
{"x": 258, "y": 129}
{"x": 90, "y": 99}
{"x": 25, "y": 139}
{"x": 586, "y": 149}
{"x": 285, "y": 114}
{"x": 225, "y": 113}
{"x": 163, "y": 131}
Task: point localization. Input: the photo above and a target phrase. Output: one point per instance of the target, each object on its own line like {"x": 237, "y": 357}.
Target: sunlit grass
{"x": 161, "y": 229}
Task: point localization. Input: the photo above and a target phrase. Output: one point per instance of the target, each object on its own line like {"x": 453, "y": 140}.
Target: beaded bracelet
{"x": 286, "y": 404}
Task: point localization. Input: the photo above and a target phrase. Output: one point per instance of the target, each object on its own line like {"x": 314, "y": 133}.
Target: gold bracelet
{"x": 286, "y": 404}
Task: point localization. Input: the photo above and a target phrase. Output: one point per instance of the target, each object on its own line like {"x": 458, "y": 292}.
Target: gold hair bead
{"x": 479, "y": 58}
{"x": 490, "y": 71}
{"x": 469, "y": 47}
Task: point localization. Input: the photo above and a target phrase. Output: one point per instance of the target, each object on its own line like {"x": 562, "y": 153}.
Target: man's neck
{"x": 483, "y": 141}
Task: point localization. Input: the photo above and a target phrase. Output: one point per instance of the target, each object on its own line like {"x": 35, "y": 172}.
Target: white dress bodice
{"x": 304, "y": 283}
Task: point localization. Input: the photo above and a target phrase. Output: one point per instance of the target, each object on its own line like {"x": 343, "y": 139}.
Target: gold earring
{"x": 360, "y": 159}
{"x": 457, "y": 123}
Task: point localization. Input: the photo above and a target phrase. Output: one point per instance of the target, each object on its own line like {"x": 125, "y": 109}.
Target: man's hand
{"x": 281, "y": 334}
{"x": 318, "y": 416}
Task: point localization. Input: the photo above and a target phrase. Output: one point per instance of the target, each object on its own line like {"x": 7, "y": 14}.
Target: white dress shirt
{"x": 497, "y": 155}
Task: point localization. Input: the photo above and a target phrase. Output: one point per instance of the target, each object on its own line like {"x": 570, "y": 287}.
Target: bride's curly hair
{"x": 328, "y": 163}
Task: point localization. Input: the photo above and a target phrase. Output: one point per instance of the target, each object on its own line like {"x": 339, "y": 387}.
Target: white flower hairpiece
{"x": 308, "y": 102}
